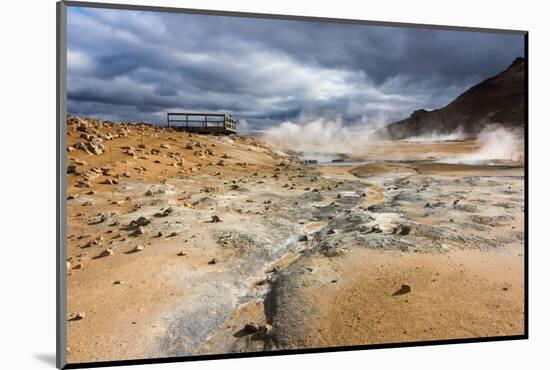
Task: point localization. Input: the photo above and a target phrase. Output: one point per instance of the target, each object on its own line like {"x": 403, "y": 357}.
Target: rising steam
{"x": 458, "y": 134}
{"x": 496, "y": 144}
{"x": 321, "y": 136}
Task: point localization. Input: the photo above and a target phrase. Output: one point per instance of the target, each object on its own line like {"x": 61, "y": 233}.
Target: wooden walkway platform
{"x": 205, "y": 123}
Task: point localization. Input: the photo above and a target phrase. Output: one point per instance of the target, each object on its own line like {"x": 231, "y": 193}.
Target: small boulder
{"x": 106, "y": 253}
{"x": 403, "y": 290}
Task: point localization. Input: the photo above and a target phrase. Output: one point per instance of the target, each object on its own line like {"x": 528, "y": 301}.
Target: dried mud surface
{"x": 177, "y": 241}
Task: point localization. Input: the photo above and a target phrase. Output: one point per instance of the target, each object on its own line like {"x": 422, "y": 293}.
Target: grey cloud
{"x": 129, "y": 65}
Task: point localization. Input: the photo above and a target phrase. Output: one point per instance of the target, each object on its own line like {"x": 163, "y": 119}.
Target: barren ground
{"x": 311, "y": 254}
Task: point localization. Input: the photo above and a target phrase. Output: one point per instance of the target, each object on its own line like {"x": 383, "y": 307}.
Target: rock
{"x": 110, "y": 181}
{"x": 164, "y": 212}
{"x": 303, "y": 238}
{"x": 375, "y": 229}
{"x": 141, "y": 221}
{"x": 173, "y": 233}
{"x": 106, "y": 253}
{"x": 213, "y": 261}
{"x": 221, "y": 162}
{"x": 84, "y": 184}
{"x": 159, "y": 234}
{"x": 68, "y": 265}
{"x": 189, "y": 146}
{"x": 139, "y": 231}
{"x": 139, "y": 248}
{"x": 118, "y": 282}
{"x": 165, "y": 146}
{"x": 403, "y": 290}
{"x": 71, "y": 169}
{"x": 216, "y": 219}
{"x": 225, "y": 156}
{"x": 78, "y": 316}
{"x": 181, "y": 254}
{"x": 251, "y": 328}
{"x": 402, "y": 230}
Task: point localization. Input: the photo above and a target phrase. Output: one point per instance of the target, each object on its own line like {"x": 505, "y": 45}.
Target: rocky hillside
{"x": 499, "y": 99}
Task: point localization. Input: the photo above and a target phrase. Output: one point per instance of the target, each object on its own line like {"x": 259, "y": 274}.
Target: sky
{"x": 135, "y": 66}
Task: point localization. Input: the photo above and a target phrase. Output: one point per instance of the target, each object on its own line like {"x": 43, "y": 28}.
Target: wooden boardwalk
{"x": 205, "y": 123}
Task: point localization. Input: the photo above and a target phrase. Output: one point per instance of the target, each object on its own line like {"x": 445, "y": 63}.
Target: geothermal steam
{"x": 496, "y": 144}
{"x": 321, "y": 136}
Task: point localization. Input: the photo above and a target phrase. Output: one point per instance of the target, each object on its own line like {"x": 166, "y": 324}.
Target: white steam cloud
{"x": 496, "y": 144}
{"x": 458, "y": 134}
{"x": 322, "y": 136}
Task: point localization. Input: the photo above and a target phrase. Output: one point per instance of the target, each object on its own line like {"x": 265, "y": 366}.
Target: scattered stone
{"x": 164, "y": 212}
{"x": 403, "y": 290}
{"x": 141, "y": 221}
{"x": 251, "y": 328}
{"x": 71, "y": 169}
{"x": 267, "y": 330}
{"x": 78, "y": 316}
{"x": 402, "y": 230}
{"x": 110, "y": 181}
{"x": 106, "y": 253}
{"x": 139, "y": 231}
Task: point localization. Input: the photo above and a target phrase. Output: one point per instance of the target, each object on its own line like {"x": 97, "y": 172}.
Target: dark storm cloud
{"x": 136, "y": 66}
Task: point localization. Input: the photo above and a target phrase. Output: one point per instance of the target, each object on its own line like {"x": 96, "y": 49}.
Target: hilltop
{"x": 499, "y": 99}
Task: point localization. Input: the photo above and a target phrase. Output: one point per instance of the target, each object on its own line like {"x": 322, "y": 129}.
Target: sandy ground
{"x": 312, "y": 255}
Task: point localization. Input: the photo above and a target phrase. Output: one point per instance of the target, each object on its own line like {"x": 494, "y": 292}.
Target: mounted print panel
{"x": 248, "y": 184}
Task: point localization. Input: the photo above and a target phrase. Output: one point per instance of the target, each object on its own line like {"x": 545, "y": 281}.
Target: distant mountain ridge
{"x": 498, "y": 99}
